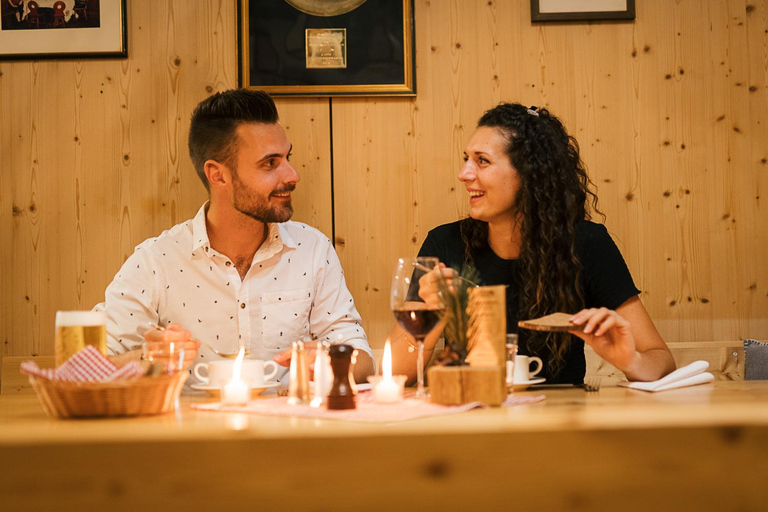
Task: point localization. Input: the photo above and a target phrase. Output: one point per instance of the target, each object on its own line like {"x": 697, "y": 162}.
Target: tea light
{"x": 386, "y": 388}
{"x": 236, "y": 391}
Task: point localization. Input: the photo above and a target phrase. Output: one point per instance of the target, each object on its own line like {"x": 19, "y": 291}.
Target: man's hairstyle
{"x": 212, "y": 132}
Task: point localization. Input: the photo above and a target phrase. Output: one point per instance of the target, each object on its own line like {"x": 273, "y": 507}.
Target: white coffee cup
{"x": 218, "y": 373}
{"x": 523, "y": 371}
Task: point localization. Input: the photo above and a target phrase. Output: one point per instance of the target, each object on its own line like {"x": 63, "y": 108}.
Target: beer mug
{"x": 76, "y": 329}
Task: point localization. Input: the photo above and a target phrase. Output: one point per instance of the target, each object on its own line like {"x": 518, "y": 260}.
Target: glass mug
{"x": 76, "y": 329}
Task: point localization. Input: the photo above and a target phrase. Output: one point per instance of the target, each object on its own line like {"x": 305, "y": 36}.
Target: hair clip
{"x": 532, "y": 111}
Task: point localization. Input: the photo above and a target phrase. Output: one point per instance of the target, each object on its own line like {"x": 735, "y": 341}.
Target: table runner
{"x": 367, "y": 411}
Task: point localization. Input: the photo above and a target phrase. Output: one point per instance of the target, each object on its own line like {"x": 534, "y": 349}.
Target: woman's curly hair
{"x": 554, "y": 195}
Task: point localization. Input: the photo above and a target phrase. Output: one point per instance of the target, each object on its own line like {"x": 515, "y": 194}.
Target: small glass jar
{"x": 511, "y": 354}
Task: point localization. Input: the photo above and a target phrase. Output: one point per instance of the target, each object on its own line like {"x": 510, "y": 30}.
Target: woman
{"x": 529, "y": 228}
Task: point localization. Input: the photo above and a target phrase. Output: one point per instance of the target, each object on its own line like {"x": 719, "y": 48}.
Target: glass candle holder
{"x": 387, "y": 390}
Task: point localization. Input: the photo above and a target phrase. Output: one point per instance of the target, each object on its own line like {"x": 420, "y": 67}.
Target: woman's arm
{"x": 626, "y": 338}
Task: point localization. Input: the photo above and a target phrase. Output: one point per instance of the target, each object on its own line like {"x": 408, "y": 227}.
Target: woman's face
{"x": 489, "y": 177}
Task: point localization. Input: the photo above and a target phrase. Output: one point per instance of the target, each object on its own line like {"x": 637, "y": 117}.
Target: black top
{"x": 605, "y": 279}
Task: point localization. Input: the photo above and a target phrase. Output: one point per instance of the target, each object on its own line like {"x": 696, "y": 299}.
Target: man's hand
{"x": 164, "y": 346}
{"x": 363, "y": 364}
{"x": 310, "y": 354}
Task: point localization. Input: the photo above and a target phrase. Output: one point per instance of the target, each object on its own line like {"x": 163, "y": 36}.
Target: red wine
{"x": 417, "y": 322}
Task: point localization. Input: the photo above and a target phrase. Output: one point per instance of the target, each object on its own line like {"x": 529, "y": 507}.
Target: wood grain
{"x": 95, "y": 160}
{"x": 671, "y": 113}
{"x": 618, "y": 449}
{"x": 13, "y": 382}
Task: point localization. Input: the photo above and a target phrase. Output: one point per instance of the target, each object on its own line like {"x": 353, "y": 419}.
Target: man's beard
{"x": 256, "y": 207}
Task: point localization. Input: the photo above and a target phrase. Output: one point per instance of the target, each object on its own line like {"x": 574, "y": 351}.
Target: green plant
{"x": 455, "y": 317}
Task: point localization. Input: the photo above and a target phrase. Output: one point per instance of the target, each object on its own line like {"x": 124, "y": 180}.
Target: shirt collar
{"x": 277, "y": 234}
{"x": 199, "y": 230}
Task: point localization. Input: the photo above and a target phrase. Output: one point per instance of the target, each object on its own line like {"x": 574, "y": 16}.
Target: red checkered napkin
{"x": 88, "y": 365}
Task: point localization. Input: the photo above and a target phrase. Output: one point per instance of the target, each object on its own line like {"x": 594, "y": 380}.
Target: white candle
{"x": 236, "y": 392}
{"x": 386, "y": 389}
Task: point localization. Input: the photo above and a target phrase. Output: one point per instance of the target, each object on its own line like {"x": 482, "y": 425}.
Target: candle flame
{"x": 386, "y": 361}
{"x": 238, "y": 364}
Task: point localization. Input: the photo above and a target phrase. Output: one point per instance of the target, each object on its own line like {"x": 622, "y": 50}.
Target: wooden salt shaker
{"x": 342, "y": 395}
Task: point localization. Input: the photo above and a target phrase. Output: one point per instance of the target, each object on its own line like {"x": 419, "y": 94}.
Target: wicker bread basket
{"x": 144, "y": 396}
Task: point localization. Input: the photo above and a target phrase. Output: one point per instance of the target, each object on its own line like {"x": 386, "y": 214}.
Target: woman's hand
{"x": 608, "y": 333}
{"x": 429, "y": 289}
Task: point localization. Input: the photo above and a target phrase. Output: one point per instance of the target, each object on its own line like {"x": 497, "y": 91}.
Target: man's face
{"x": 263, "y": 178}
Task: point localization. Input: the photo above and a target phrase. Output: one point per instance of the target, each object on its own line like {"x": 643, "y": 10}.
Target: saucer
{"x": 215, "y": 391}
{"x": 522, "y": 385}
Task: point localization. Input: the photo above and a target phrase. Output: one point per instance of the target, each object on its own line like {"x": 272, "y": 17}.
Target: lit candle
{"x": 236, "y": 391}
{"x": 386, "y": 389}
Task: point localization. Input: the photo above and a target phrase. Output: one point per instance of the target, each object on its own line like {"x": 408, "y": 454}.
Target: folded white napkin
{"x": 691, "y": 375}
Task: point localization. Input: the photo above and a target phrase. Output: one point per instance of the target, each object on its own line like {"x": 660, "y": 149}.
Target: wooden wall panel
{"x": 307, "y": 125}
{"x": 94, "y": 159}
{"x": 670, "y": 112}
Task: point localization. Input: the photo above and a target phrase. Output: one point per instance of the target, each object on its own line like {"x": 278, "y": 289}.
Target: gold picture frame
{"x": 71, "y": 29}
{"x": 363, "y": 48}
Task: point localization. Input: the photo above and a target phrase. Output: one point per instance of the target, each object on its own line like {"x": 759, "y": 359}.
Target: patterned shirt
{"x": 295, "y": 287}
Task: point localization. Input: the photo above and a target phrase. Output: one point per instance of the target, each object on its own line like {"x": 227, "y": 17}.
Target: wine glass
{"x": 411, "y": 312}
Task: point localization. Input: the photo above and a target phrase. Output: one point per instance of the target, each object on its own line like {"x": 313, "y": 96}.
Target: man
{"x": 239, "y": 271}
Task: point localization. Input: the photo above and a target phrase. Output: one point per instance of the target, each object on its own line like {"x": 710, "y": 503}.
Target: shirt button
{"x": 229, "y": 263}
{"x": 242, "y": 305}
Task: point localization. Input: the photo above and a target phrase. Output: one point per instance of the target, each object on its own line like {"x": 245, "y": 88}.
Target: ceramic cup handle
{"x": 539, "y": 366}
{"x": 202, "y": 378}
{"x": 272, "y": 374}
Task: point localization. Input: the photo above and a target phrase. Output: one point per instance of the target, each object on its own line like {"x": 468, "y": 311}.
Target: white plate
{"x": 519, "y": 386}
{"x": 215, "y": 391}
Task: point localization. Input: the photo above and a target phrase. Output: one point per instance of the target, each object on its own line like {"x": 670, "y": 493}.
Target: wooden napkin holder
{"x": 483, "y": 379}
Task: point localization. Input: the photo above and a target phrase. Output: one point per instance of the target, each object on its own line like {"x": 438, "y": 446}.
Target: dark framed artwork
{"x": 327, "y": 47}
{"x": 60, "y": 29}
{"x": 582, "y": 10}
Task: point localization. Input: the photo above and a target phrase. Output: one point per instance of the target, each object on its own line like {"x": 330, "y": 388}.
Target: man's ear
{"x": 217, "y": 173}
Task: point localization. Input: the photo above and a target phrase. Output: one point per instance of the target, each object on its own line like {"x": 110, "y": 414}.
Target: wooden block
{"x": 456, "y": 385}
{"x": 487, "y": 326}
{"x": 13, "y": 381}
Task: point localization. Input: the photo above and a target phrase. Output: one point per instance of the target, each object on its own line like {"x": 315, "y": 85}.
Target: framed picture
{"x": 582, "y": 10}
{"x": 61, "y": 29}
{"x": 327, "y": 47}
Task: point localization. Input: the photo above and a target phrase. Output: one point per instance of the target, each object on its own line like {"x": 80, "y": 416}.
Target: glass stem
{"x": 420, "y": 392}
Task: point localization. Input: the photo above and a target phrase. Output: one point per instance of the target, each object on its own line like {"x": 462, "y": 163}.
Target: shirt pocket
{"x": 285, "y": 317}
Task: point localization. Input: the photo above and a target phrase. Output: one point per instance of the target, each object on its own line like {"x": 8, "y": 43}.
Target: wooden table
{"x": 700, "y": 448}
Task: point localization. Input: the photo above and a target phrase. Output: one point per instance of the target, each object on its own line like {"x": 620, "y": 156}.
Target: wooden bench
{"x": 726, "y": 359}
{"x": 12, "y": 381}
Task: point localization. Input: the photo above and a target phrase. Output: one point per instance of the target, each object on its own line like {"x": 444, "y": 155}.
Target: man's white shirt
{"x": 294, "y": 288}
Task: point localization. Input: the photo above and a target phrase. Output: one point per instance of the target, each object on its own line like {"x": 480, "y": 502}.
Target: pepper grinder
{"x": 298, "y": 390}
{"x": 341, "y": 396}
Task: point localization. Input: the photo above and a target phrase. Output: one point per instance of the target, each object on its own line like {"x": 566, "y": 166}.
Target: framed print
{"x": 59, "y": 29}
{"x": 582, "y": 10}
{"x": 327, "y": 47}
